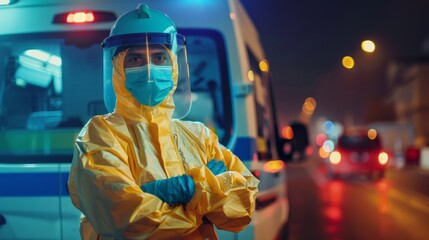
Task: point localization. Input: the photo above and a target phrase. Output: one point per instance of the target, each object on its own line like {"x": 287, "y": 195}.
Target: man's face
{"x": 140, "y": 56}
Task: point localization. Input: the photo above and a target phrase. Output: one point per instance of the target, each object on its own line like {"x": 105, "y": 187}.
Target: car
{"x": 358, "y": 151}
{"x": 295, "y": 140}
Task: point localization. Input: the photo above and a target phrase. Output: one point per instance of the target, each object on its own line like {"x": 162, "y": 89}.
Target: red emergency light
{"x": 80, "y": 17}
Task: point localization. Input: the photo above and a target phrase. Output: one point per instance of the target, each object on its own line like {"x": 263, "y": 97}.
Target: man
{"x": 139, "y": 172}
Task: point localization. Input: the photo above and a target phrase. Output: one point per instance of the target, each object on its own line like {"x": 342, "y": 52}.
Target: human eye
{"x": 160, "y": 59}
{"x": 135, "y": 60}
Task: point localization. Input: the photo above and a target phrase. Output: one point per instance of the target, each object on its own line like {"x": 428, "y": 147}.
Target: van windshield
{"x": 53, "y": 81}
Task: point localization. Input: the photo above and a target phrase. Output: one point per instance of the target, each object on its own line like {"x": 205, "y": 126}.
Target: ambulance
{"x": 51, "y": 84}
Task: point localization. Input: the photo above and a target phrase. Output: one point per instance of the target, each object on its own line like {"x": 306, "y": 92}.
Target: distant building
{"x": 408, "y": 82}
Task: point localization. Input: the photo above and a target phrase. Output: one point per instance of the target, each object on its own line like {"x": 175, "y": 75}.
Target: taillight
{"x": 383, "y": 158}
{"x": 412, "y": 155}
{"x": 335, "y": 157}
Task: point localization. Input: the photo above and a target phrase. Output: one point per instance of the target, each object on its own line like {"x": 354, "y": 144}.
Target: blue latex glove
{"x": 173, "y": 190}
{"x": 216, "y": 167}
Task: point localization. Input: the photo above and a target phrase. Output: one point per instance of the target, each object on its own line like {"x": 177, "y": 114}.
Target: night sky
{"x": 306, "y": 40}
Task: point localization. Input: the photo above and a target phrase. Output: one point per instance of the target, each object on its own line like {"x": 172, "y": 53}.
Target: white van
{"x": 51, "y": 83}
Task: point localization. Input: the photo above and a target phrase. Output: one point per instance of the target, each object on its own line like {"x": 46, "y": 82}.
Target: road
{"x": 354, "y": 207}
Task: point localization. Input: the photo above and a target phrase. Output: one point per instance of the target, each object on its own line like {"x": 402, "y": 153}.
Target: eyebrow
{"x": 134, "y": 54}
{"x": 159, "y": 53}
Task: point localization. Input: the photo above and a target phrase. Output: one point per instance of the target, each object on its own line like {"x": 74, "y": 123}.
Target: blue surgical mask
{"x": 149, "y": 92}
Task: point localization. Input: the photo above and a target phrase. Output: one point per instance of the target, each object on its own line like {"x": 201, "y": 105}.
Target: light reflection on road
{"x": 332, "y": 196}
{"x": 352, "y": 207}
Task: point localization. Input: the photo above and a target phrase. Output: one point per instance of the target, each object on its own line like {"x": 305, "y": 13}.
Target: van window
{"x": 54, "y": 81}
{"x": 44, "y": 73}
{"x": 210, "y": 83}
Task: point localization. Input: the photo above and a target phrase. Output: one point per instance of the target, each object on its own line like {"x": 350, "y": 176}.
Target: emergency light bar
{"x": 79, "y": 17}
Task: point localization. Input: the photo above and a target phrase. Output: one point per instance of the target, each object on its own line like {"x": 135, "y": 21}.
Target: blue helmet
{"x": 145, "y": 28}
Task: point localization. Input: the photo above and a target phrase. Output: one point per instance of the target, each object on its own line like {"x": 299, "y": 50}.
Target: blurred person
{"x": 141, "y": 173}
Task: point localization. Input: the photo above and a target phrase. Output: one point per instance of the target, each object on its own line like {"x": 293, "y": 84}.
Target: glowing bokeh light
{"x": 348, "y": 62}
{"x": 309, "y": 150}
{"x": 273, "y": 166}
{"x": 372, "y": 134}
{"x": 263, "y": 65}
{"x": 323, "y": 153}
{"x": 308, "y": 108}
{"x": 232, "y": 16}
{"x": 335, "y": 157}
{"x": 328, "y": 146}
{"x": 368, "y": 46}
{"x": 328, "y": 127}
{"x": 383, "y": 158}
{"x": 287, "y": 133}
{"x": 250, "y": 75}
{"x": 312, "y": 101}
{"x": 320, "y": 139}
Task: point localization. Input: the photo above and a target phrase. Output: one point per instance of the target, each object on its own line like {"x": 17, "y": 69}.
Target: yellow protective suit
{"x": 116, "y": 153}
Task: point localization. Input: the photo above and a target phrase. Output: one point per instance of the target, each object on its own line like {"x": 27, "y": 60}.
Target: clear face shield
{"x": 155, "y": 67}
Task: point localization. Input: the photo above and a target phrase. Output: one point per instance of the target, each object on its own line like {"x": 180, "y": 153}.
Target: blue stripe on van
{"x": 244, "y": 148}
{"x": 64, "y": 184}
{"x": 33, "y": 184}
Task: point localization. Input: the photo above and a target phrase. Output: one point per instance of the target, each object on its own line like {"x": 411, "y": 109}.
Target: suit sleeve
{"x": 228, "y": 199}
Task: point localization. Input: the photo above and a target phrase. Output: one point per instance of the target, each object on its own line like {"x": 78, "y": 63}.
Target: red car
{"x": 358, "y": 151}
